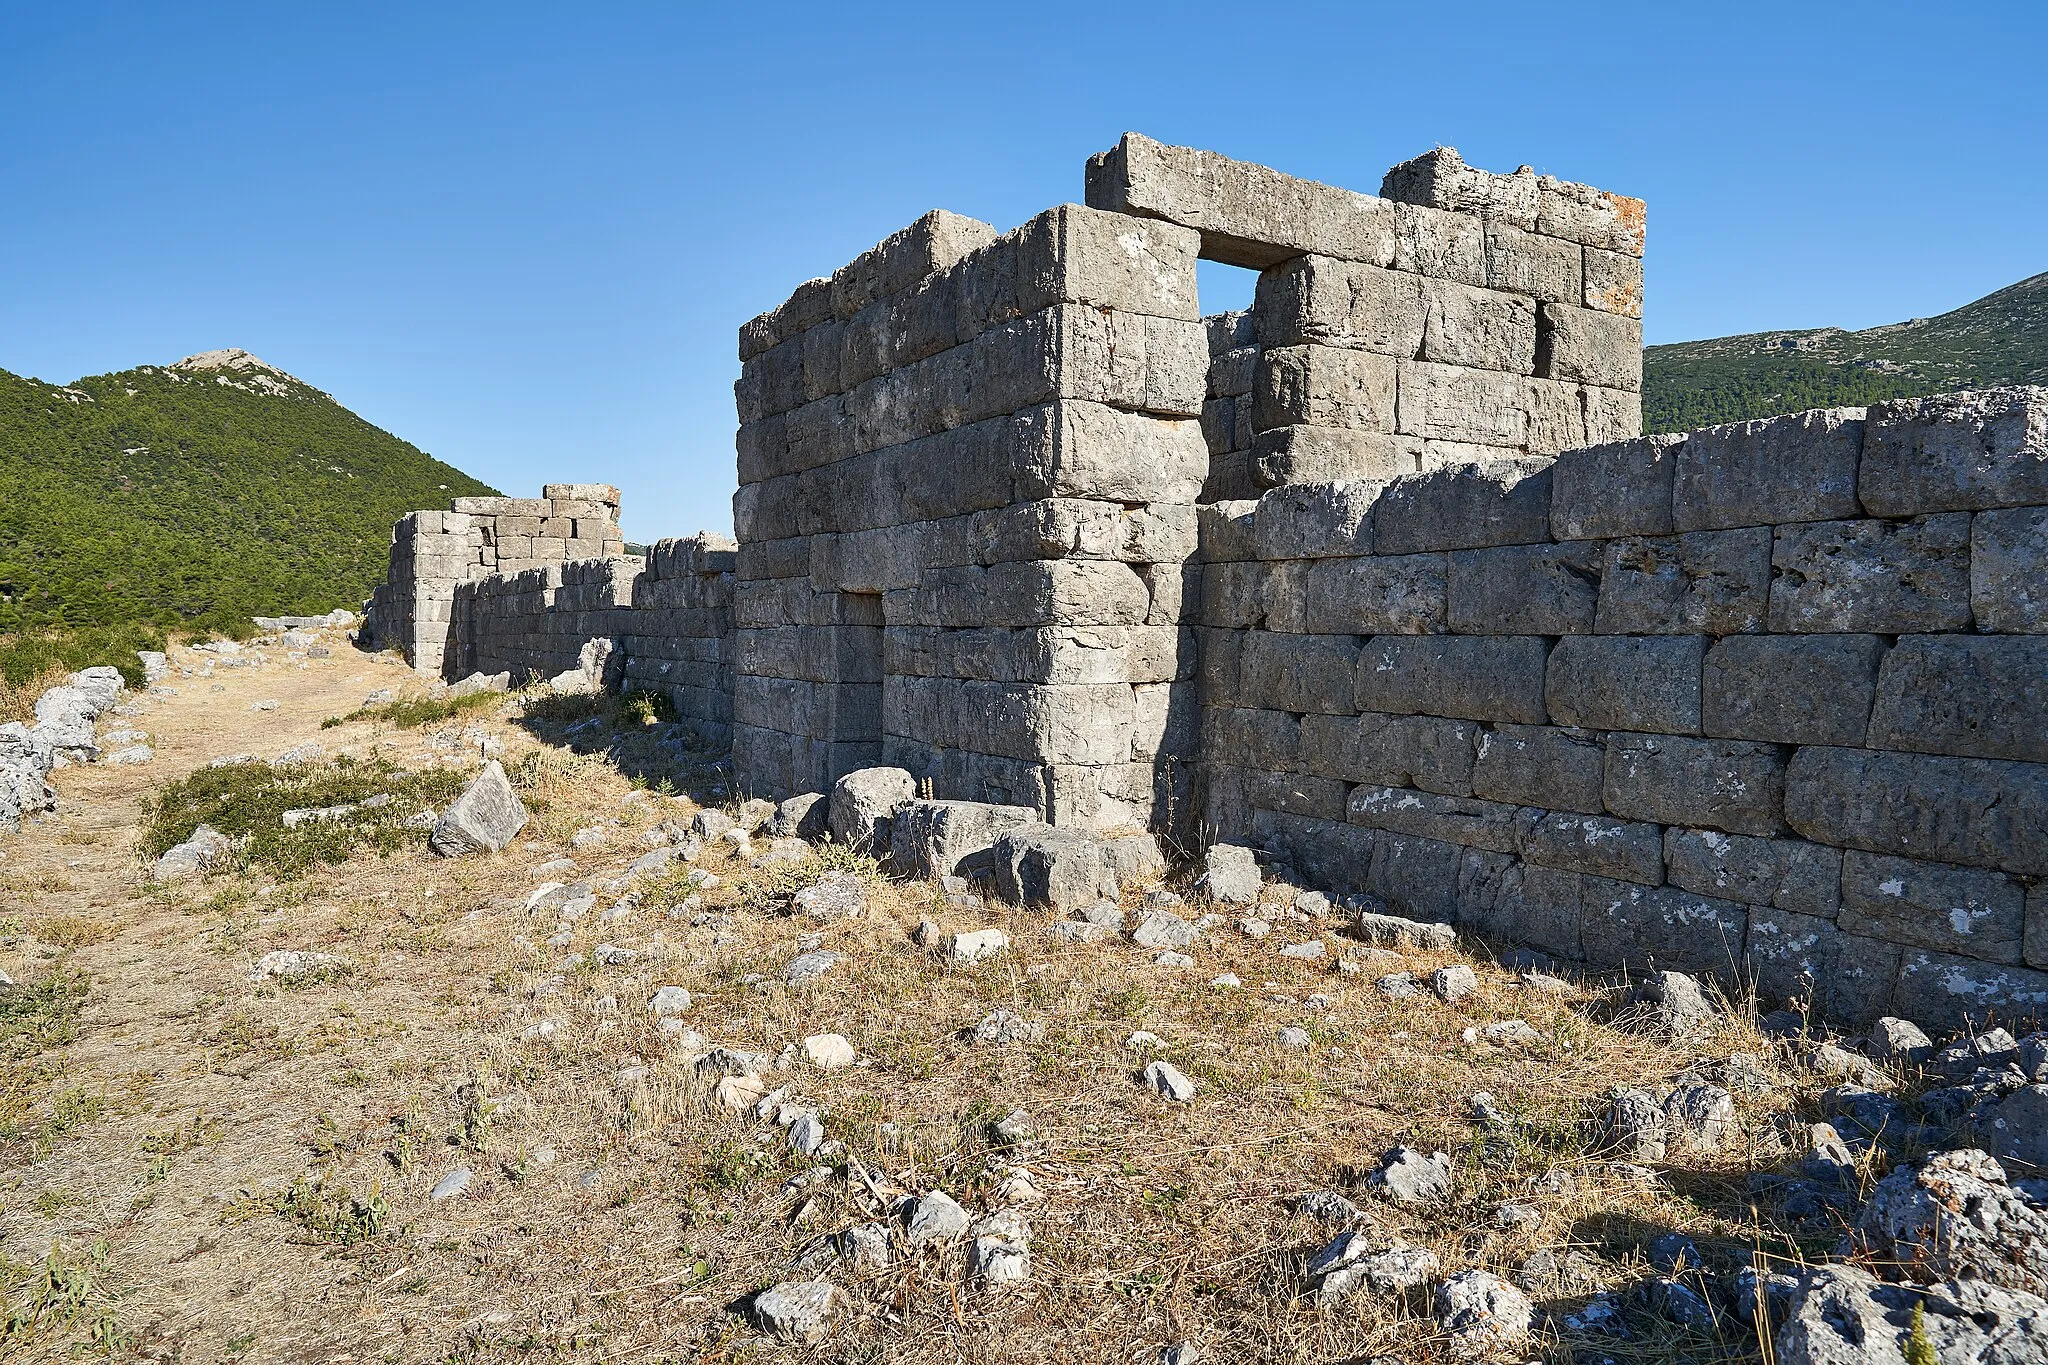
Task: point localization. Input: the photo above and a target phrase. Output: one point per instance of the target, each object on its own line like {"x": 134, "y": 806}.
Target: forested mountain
{"x": 2002, "y": 338}
{"x": 196, "y": 494}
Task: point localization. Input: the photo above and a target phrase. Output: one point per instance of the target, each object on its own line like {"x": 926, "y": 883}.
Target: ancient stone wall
{"x": 678, "y": 636}
{"x": 968, "y": 467}
{"x": 1770, "y": 699}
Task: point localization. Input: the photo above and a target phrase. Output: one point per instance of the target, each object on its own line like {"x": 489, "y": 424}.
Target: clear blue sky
{"x": 522, "y": 236}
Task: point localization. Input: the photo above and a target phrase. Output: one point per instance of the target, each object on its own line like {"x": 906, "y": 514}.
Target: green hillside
{"x": 2002, "y": 338}
{"x": 196, "y": 495}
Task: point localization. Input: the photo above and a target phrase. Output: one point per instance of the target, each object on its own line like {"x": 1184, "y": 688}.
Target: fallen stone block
{"x": 483, "y": 819}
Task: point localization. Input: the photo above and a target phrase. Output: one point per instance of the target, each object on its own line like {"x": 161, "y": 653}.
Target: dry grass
{"x": 253, "y": 1182}
{"x": 18, "y": 699}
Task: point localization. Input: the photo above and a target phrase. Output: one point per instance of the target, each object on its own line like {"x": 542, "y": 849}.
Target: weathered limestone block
{"x": 1429, "y": 752}
{"x": 1522, "y": 262}
{"x": 1377, "y": 595}
{"x": 1300, "y": 673}
{"x": 1595, "y": 844}
{"x": 1791, "y": 689}
{"x": 1969, "y": 695}
{"x": 1071, "y": 254}
{"x": 1319, "y": 302}
{"x": 1248, "y": 215}
{"x": 2009, "y": 570}
{"x": 1228, "y": 531}
{"x": 1294, "y": 793}
{"x": 1311, "y": 454}
{"x": 1315, "y": 520}
{"x": 483, "y": 819}
{"x": 1595, "y": 218}
{"x": 1886, "y": 577}
{"x": 1253, "y": 736}
{"x": 950, "y": 838}
{"x": 1627, "y": 682}
{"x": 1800, "y": 467}
{"x": 1626, "y": 922}
{"x": 1416, "y": 876}
{"x": 1806, "y": 957}
{"x": 1524, "y": 589}
{"x": 1702, "y": 582}
{"x": 1540, "y": 765}
{"x": 1088, "y": 450}
{"x": 1465, "y": 507}
{"x": 1942, "y": 991}
{"x": 1326, "y": 386}
{"x": 1459, "y": 820}
{"x": 1790, "y": 874}
{"x": 1450, "y": 403}
{"x": 1484, "y": 328}
{"x": 1714, "y": 783}
{"x": 1981, "y": 812}
{"x": 1329, "y": 853}
{"x": 1440, "y": 179}
{"x": 1038, "y": 593}
{"x": 1557, "y": 416}
{"x": 1972, "y": 911}
{"x": 1956, "y": 451}
{"x": 1545, "y": 910}
{"x": 1088, "y": 725}
{"x": 863, "y": 805}
{"x": 931, "y": 244}
{"x": 1062, "y": 869}
{"x": 1589, "y": 347}
{"x": 1614, "y": 282}
{"x": 1439, "y": 245}
{"x": 1470, "y": 677}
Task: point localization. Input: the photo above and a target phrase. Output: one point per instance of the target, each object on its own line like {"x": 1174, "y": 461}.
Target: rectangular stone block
{"x": 1547, "y": 913}
{"x": 1580, "y": 213}
{"x": 1316, "y": 520}
{"x": 1294, "y": 793}
{"x": 1628, "y": 924}
{"x": 1941, "y": 991}
{"x": 1956, "y": 451}
{"x": 1248, "y": 215}
{"x": 951, "y": 838}
{"x": 2009, "y": 570}
{"x": 1596, "y": 844}
{"x": 1440, "y": 179}
{"x": 1088, "y": 725}
{"x": 1539, "y": 765}
{"x": 1485, "y": 328}
{"x": 1439, "y": 245}
{"x": 1377, "y": 595}
{"x": 1540, "y": 267}
{"x": 1450, "y": 403}
{"x": 1300, "y": 673}
{"x": 1800, "y": 467}
{"x": 1701, "y": 582}
{"x": 931, "y": 244}
{"x": 1627, "y": 682}
{"x": 1713, "y": 783}
{"x": 1888, "y": 578}
{"x": 1791, "y": 689}
{"x": 1589, "y": 347}
{"x": 1612, "y": 414}
{"x": 1313, "y": 300}
{"x": 1977, "y": 811}
{"x": 1973, "y": 911}
{"x": 1616, "y": 488}
{"x": 1231, "y": 370}
{"x": 1557, "y": 416}
{"x": 1089, "y": 450}
{"x": 1038, "y": 593}
{"x": 1980, "y": 696}
{"x": 1227, "y": 531}
{"x": 1304, "y": 454}
{"x": 1524, "y": 589}
{"x": 809, "y": 305}
{"x": 1325, "y": 386}
{"x": 1233, "y": 595}
{"x": 1072, "y": 254}
{"x": 1465, "y": 507}
{"x": 1469, "y": 677}
{"x": 1790, "y": 874}
{"x": 1417, "y": 877}
{"x": 1252, "y": 738}
{"x": 2035, "y": 948}
{"x": 1614, "y": 282}
{"x": 1329, "y": 853}
{"x": 1429, "y": 752}
{"x": 1459, "y": 820}
{"x": 1807, "y": 960}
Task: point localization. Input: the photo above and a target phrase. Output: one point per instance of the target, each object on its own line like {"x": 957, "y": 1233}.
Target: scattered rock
{"x": 837, "y": 895}
{"x": 1845, "y": 1316}
{"x": 803, "y": 816}
{"x": 936, "y": 1217}
{"x": 1406, "y": 1176}
{"x": 1454, "y": 982}
{"x": 801, "y": 1310}
{"x": 1635, "y": 1127}
{"x": 207, "y": 849}
{"x": 1310, "y": 951}
{"x": 1230, "y": 875}
{"x": 1511, "y": 1031}
{"x": 1486, "y": 1112}
{"x": 1900, "y": 1040}
{"x": 1296, "y": 1039}
{"x": 829, "y": 1051}
{"x": 1700, "y": 1117}
{"x": 289, "y": 964}
{"x": 977, "y": 945}
{"x": 1394, "y": 931}
{"x": 1000, "y": 1253}
{"x": 1002, "y": 1027}
{"x": 1057, "y": 867}
{"x": 1484, "y": 1315}
{"x": 1327, "y": 1206}
{"x": 865, "y": 1246}
{"x": 1179, "y": 961}
{"x": 862, "y": 803}
{"x": 1163, "y": 929}
{"x": 1677, "y": 1003}
{"x": 1956, "y": 1216}
{"x": 1675, "y": 1301}
{"x": 454, "y": 1183}
{"x": 669, "y": 1000}
{"x": 1397, "y": 986}
{"x": 484, "y": 818}
{"x": 1167, "y": 1079}
{"x": 2017, "y": 1128}
{"x": 805, "y": 968}
{"x": 738, "y": 1092}
{"x": 1673, "y": 1252}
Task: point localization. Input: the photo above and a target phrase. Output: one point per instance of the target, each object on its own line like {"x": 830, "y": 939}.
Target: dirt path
{"x": 231, "y": 1168}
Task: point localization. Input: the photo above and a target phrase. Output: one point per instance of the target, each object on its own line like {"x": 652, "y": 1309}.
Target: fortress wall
{"x": 678, "y": 635}
{"x": 1768, "y": 700}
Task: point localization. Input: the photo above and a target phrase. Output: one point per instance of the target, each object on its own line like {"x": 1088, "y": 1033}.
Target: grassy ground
{"x": 202, "y": 1166}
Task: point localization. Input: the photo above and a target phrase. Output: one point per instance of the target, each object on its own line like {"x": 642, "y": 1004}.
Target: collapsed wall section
{"x": 1461, "y": 317}
{"x": 1769, "y": 699}
{"x": 968, "y": 465}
